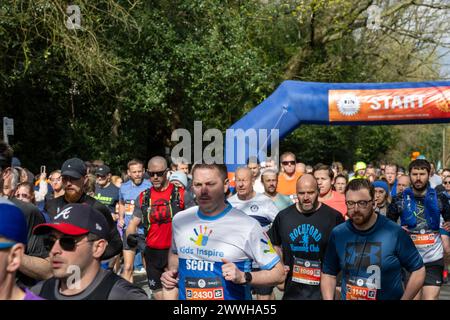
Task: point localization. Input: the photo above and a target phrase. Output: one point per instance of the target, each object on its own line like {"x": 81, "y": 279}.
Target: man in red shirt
{"x": 324, "y": 176}
{"x": 155, "y": 208}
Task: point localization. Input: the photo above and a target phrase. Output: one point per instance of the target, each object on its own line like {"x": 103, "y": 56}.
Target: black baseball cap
{"x": 74, "y": 168}
{"x": 102, "y": 170}
{"x": 76, "y": 219}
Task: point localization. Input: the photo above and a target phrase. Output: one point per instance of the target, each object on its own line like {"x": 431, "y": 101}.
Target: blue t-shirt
{"x": 371, "y": 260}
{"x": 127, "y": 195}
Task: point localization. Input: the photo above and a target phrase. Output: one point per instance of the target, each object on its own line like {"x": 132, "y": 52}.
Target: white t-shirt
{"x": 260, "y": 207}
{"x": 201, "y": 242}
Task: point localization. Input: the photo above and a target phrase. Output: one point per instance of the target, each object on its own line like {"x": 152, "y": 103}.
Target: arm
{"x": 36, "y": 267}
{"x": 169, "y": 278}
{"x": 133, "y": 225}
{"x": 121, "y": 221}
{"x": 327, "y": 286}
{"x": 43, "y": 188}
{"x": 414, "y": 284}
{"x": 270, "y": 277}
{"x": 286, "y": 268}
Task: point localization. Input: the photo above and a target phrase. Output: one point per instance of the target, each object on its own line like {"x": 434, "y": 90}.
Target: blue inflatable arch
{"x": 295, "y": 103}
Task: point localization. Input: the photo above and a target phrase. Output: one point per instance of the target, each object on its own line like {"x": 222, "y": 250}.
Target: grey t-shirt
{"x": 122, "y": 290}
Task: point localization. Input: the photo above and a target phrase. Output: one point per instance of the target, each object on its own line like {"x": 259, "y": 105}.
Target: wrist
{"x": 246, "y": 278}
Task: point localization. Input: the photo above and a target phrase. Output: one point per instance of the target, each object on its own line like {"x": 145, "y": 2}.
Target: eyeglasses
{"x": 56, "y": 179}
{"x": 446, "y": 182}
{"x": 66, "y": 243}
{"x": 361, "y": 203}
{"x": 65, "y": 179}
{"x": 285, "y": 163}
{"x": 6, "y": 245}
{"x": 157, "y": 173}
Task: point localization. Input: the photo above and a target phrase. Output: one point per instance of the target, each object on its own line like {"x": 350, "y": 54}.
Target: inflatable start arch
{"x": 295, "y": 103}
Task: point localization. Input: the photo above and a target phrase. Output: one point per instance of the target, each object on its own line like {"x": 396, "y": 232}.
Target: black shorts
{"x": 155, "y": 262}
{"x": 141, "y": 243}
{"x": 434, "y": 273}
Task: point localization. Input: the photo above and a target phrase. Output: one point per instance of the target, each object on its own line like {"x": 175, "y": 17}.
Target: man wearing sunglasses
{"x": 288, "y": 177}
{"x": 77, "y": 239}
{"x": 13, "y": 240}
{"x": 154, "y": 209}
{"x": 370, "y": 251}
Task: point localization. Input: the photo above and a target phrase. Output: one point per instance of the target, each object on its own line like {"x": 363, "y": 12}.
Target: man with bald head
{"x": 256, "y": 205}
{"x": 300, "y": 235}
{"x": 154, "y": 209}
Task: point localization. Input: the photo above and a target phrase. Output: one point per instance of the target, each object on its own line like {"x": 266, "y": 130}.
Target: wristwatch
{"x": 248, "y": 277}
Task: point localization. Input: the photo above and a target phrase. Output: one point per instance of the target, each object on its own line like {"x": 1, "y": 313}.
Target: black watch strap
{"x": 248, "y": 277}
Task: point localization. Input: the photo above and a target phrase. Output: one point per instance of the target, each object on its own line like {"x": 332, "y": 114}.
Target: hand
{"x": 121, "y": 222}
{"x": 115, "y": 216}
{"x": 132, "y": 240}
{"x": 169, "y": 279}
{"x": 286, "y": 271}
{"x": 231, "y": 272}
{"x": 446, "y": 226}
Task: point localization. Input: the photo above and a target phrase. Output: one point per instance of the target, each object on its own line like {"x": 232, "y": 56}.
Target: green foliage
{"x": 137, "y": 70}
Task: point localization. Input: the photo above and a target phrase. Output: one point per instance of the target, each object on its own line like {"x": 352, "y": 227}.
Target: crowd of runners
{"x": 81, "y": 231}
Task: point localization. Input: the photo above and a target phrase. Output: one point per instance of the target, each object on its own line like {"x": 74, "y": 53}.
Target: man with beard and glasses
{"x": 370, "y": 251}
{"x": 77, "y": 239}
{"x": 300, "y": 235}
{"x": 420, "y": 209}
{"x": 154, "y": 209}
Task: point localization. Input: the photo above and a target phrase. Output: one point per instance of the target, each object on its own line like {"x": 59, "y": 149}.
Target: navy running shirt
{"x": 303, "y": 238}
{"x": 371, "y": 260}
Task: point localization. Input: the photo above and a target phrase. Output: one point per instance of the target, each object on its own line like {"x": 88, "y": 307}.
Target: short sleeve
{"x": 137, "y": 211}
{"x": 260, "y": 249}
{"x": 331, "y": 264}
{"x": 274, "y": 231}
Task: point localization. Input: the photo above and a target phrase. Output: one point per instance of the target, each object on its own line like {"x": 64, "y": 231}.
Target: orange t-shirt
{"x": 337, "y": 202}
{"x": 285, "y": 186}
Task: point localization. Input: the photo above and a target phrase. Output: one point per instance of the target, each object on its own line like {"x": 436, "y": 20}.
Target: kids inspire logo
{"x": 202, "y": 237}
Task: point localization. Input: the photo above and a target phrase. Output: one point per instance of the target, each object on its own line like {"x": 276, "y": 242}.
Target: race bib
{"x": 360, "y": 289}
{"x": 129, "y": 208}
{"x": 204, "y": 288}
{"x": 423, "y": 239}
{"x": 306, "y": 271}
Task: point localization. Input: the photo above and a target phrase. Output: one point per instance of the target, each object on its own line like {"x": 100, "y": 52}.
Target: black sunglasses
{"x": 157, "y": 173}
{"x": 285, "y": 163}
{"x": 446, "y": 182}
{"x": 67, "y": 243}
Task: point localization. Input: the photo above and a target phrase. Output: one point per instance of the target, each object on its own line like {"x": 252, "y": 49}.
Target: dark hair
{"x": 359, "y": 184}
{"x": 220, "y": 167}
{"x": 134, "y": 162}
{"x": 321, "y": 166}
{"x": 6, "y": 154}
{"x": 419, "y": 164}
{"x": 30, "y": 188}
{"x": 340, "y": 175}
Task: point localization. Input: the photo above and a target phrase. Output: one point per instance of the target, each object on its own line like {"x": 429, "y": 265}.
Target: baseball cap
{"x": 74, "y": 168}
{"x": 76, "y": 219}
{"x": 13, "y": 225}
{"x": 180, "y": 176}
{"x": 102, "y": 170}
{"x": 381, "y": 184}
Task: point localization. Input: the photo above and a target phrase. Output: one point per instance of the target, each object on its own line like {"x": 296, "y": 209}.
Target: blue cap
{"x": 12, "y": 222}
{"x": 179, "y": 176}
{"x": 381, "y": 184}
